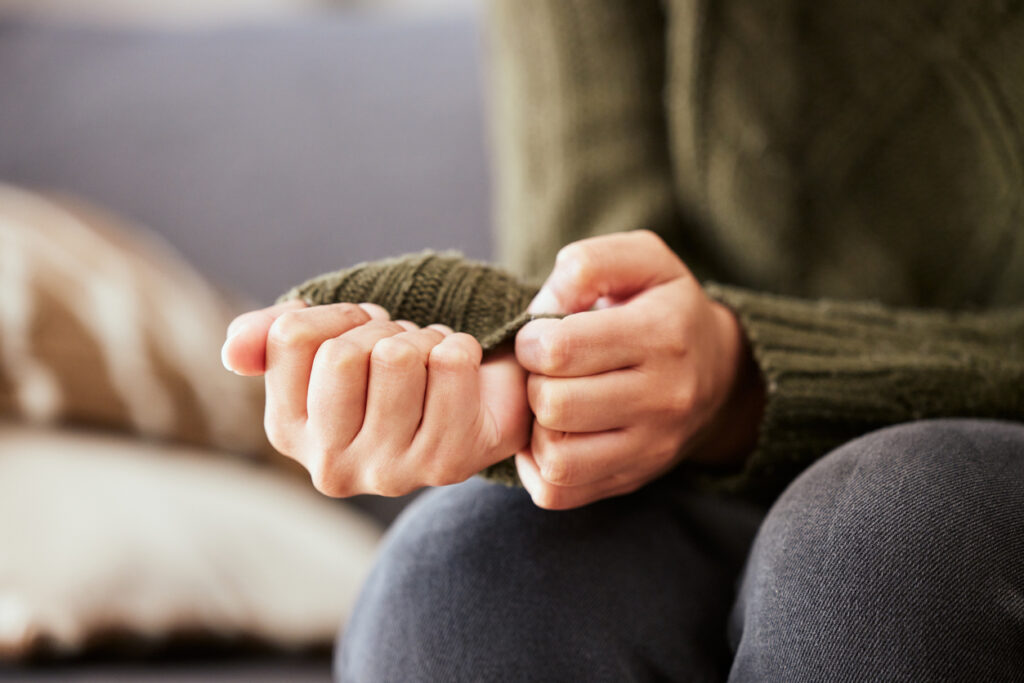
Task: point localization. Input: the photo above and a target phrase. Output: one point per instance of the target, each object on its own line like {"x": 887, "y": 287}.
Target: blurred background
{"x": 162, "y": 167}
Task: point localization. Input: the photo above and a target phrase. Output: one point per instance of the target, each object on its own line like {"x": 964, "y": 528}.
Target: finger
{"x": 504, "y": 404}
{"x": 395, "y": 393}
{"x": 580, "y": 459}
{"x": 424, "y": 339}
{"x": 615, "y": 266}
{"x": 292, "y": 342}
{"x": 336, "y": 401}
{"x": 552, "y": 497}
{"x": 589, "y": 404}
{"x": 451, "y": 408}
{"x": 375, "y": 312}
{"x": 585, "y": 343}
{"x": 244, "y": 350}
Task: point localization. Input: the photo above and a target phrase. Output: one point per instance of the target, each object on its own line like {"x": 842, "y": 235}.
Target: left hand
{"x": 646, "y": 371}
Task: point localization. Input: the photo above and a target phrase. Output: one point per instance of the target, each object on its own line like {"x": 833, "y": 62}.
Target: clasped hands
{"x": 644, "y": 372}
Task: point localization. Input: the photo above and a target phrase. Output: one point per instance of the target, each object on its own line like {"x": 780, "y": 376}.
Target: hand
{"x": 655, "y": 373}
{"x": 369, "y": 405}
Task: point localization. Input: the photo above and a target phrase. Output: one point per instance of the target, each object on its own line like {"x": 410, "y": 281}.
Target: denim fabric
{"x": 898, "y": 557}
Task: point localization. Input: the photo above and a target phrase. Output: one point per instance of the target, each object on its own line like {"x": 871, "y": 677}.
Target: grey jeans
{"x": 898, "y": 557}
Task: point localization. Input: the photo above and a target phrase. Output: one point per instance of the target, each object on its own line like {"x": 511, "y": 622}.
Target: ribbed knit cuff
{"x": 836, "y": 370}
{"x": 428, "y": 288}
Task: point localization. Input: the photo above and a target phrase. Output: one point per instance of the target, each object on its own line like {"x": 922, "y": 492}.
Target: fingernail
{"x": 443, "y": 329}
{"x": 375, "y": 312}
{"x": 224, "y": 353}
{"x": 544, "y": 302}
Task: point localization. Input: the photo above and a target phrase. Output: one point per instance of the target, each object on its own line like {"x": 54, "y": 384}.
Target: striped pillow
{"x": 103, "y": 324}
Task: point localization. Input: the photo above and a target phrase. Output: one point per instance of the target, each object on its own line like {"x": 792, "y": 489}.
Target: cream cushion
{"x": 104, "y": 535}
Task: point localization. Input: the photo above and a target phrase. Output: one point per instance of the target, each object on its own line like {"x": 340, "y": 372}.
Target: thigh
{"x": 899, "y": 556}
{"x": 476, "y": 583}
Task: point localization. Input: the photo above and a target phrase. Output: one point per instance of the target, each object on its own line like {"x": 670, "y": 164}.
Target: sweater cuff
{"x": 835, "y": 370}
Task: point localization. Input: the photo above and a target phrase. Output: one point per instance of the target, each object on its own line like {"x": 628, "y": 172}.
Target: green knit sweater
{"x": 850, "y": 173}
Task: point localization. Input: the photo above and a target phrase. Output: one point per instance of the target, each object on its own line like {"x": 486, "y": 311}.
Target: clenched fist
{"x": 370, "y": 405}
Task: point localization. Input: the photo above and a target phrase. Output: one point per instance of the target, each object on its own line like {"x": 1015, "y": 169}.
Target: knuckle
{"x": 352, "y": 313}
{"x": 673, "y": 339}
{"x": 556, "y": 349}
{"x": 279, "y": 434}
{"x": 394, "y": 352}
{"x": 432, "y": 335}
{"x": 450, "y": 357}
{"x": 556, "y": 470}
{"x": 547, "y": 497}
{"x": 682, "y": 401}
{"x": 370, "y": 480}
{"x": 388, "y": 327}
{"x": 551, "y": 406}
{"x": 290, "y": 329}
{"x": 318, "y": 475}
{"x": 439, "y": 473}
{"x": 377, "y": 479}
{"x": 339, "y": 353}
{"x": 331, "y": 485}
{"x": 579, "y": 263}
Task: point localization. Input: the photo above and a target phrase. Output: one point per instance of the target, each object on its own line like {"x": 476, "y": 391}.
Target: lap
{"x": 476, "y": 583}
{"x": 866, "y": 547}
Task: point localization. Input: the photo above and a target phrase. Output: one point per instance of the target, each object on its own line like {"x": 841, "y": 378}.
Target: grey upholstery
{"x": 264, "y": 154}
{"x": 267, "y": 153}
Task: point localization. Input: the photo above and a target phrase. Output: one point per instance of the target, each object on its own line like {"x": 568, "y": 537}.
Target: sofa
{"x": 258, "y": 154}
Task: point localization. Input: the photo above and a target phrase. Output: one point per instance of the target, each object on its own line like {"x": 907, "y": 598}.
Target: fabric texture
{"x": 845, "y": 170}
{"x": 102, "y": 324}
{"x": 894, "y": 558}
{"x": 476, "y": 583}
{"x": 428, "y": 288}
{"x": 898, "y": 557}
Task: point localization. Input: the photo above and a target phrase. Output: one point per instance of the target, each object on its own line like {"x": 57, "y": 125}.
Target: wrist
{"x": 733, "y": 433}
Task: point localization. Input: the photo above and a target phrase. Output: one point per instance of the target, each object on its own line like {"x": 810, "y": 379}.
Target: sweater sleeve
{"x": 836, "y": 370}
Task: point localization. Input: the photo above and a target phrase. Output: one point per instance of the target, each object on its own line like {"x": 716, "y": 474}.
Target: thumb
{"x": 615, "y": 266}
{"x": 504, "y": 401}
{"x": 246, "y": 344}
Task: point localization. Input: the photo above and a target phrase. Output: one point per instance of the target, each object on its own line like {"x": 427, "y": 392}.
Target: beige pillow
{"x": 105, "y": 535}
{"x": 103, "y": 324}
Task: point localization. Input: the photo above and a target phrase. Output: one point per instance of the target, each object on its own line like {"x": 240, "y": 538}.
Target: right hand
{"x": 369, "y": 405}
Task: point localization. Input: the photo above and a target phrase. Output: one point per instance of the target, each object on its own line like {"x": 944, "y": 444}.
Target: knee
{"x": 884, "y": 536}
{"x": 917, "y": 481}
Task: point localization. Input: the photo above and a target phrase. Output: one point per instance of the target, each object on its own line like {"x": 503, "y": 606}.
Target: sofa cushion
{"x": 102, "y": 324}
{"x": 113, "y": 542}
